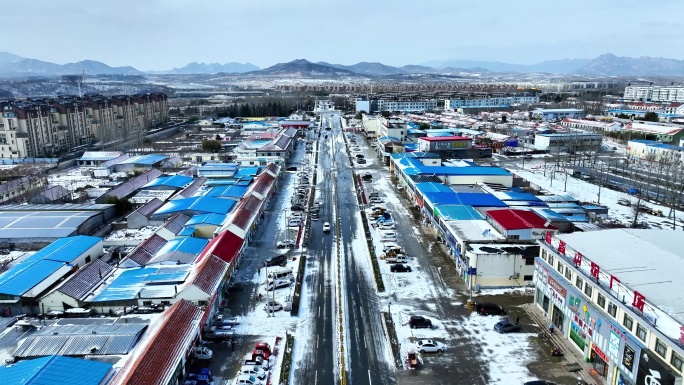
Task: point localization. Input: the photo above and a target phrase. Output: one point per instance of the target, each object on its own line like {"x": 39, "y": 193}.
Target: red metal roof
{"x": 511, "y": 219}
{"x": 444, "y": 138}
{"x": 225, "y": 246}
{"x": 160, "y": 355}
{"x": 210, "y": 272}
{"x": 264, "y": 183}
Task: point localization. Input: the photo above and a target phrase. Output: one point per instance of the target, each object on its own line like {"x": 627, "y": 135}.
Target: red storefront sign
{"x": 561, "y": 247}
{"x": 599, "y": 352}
{"x": 638, "y": 301}
{"x": 548, "y": 237}
{"x": 577, "y": 260}
{"x": 595, "y": 269}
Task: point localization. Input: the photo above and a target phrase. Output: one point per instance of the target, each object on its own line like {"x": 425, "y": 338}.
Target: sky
{"x": 163, "y": 34}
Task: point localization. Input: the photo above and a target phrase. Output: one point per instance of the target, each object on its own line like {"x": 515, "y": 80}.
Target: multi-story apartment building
{"x": 616, "y": 294}
{"x": 655, "y": 93}
{"x": 377, "y": 105}
{"x": 44, "y": 127}
{"x": 504, "y": 101}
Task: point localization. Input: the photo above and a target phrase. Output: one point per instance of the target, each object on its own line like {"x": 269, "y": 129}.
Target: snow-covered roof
{"x": 649, "y": 261}
{"x": 477, "y": 230}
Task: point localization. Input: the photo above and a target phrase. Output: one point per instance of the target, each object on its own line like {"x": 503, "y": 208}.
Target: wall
{"x": 498, "y": 270}
{"x": 55, "y": 302}
{"x": 136, "y": 221}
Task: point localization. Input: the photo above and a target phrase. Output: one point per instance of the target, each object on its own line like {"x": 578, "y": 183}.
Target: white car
{"x": 277, "y": 284}
{"x": 388, "y": 236}
{"x": 253, "y": 370}
{"x": 430, "y": 346}
{"x": 247, "y": 379}
{"x": 387, "y": 226}
{"x": 294, "y": 222}
{"x": 326, "y": 227}
{"x": 375, "y": 200}
{"x": 272, "y": 306}
{"x": 232, "y": 321}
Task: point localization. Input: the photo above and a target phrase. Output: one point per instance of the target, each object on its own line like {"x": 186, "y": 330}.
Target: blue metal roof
{"x": 187, "y": 245}
{"x": 479, "y": 200}
{"x": 186, "y": 232}
{"x": 145, "y": 159}
{"x": 177, "y": 181}
{"x": 246, "y": 171}
{"x": 412, "y": 166}
{"x": 550, "y": 215}
{"x": 229, "y": 191}
{"x": 197, "y": 204}
{"x": 444, "y": 198}
{"x": 410, "y": 146}
{"x": 206, "y": 219}
{"x": 31, "y": 271}
{"x": 126, "y": 286}
{"x": 432, "y": 187}
{"x": 55, "y": 370}
{"x": 518, "y": 196}
{"x": 458, "y": 213}
{"x": 169, "y": 274}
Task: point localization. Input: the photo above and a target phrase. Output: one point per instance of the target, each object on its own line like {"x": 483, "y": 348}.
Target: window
{"x": 560, "y": 267}
{"x": 628, "y": 322}
{"x": 529, "y": 261}
{"x": 676, "y": 361}
{"x": 601, "y": 301}
{"x": 641, "y": 332}
{"x": 543, "y": 255}
{"x": 612, "y": 309}
{"x": 527, "y": 277}
{"x": 588, "y": 290}
{"x": 551, "y": 260}
{"x": 579, "y": 283}
{"x": 147, "y": 303}
{"x": 202, "y": 303}
{"x": 568, "y": 274}
{"x": 660, "y": 348}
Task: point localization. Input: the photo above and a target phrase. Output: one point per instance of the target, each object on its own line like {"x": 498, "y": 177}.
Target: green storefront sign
{"x": 576, "y": 335}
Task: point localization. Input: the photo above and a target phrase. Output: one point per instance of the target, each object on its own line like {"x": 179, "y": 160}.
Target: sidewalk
{"x": 572, "y": 359}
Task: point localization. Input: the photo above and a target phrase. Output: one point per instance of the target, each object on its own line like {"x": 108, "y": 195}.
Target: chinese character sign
{"x": 577, "y": 259}
{"x": 548, "y": 237}
{"x": 561, "y": 247}
{"x": 595, "y": 269}
{"x": 638, "y": 301}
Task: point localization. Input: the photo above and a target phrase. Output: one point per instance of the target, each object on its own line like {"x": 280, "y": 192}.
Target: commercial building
{"x": 654, "y": 151}
{"x": 616, "y": 294}
{"x": 490, "y": 102}
{"x": 558, "y": 114}
{"x": 45, "y": 127}
{"x": 378, "y": 105}
{"x": 568, "y": 142}
{"x": 664, "y": 133}
{"x": 393, "y": 127}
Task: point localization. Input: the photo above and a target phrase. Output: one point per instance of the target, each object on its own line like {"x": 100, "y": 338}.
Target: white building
{"x": 655, "y": 93}
{"x": 490, "y": 102}
{"x": 558, "y": 113}
{"x": 393, "y": 127}
{"x": 617, "y": 295}
{"x": 370, "y": 124}
{"x": 571, "y": 141}
{"x": 594, "y": 125}
{"x": 654, "y": 151}
{"x": 406, "y": 105}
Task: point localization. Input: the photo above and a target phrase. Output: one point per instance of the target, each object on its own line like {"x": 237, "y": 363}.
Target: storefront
{"x": 653, "y": 371}
{"x": 599, "y": 361}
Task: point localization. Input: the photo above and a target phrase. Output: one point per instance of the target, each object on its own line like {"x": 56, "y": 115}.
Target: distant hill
{"x": 33, "y": 67}
{"x": 214, "y": 68}
{"x": 6, "y": 57}
{"x": 549, "y": 66}
{"x": 609, "y": 64}
{"x": 303, "y": 67}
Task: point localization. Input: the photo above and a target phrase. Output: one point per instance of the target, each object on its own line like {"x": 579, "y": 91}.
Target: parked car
{"x": 540, "y": 382}
{"x": 277, "y": 284}
{"x": 259, "y": 361}
{"x": 272, "y": 306}
{"x": 297, "y": 208}
{"x": 386, "y": 226}
{"x": 417, "y": 321}
{"x": 203, "y": 353}
{"x": 489, "y": 308}
{"x": 314, "y": 216}
{"x": 253, "y": 370}
{"x": 624, "y": 202}
{"x": 287, "y": 244}
{"x": 246, "y": 379}
{"x": 291, "y": 168}
{"x": 389, "y": 236}
{"x": 326, "y": 227}
{"x": 506, "y": 326}
{"x": 361, "y": 161}
{"x": 400, "y": 268}
{"x": 232, "y": 321}
{"x": 375, "y": 200}
{"x": 359, "y": 156}
{"x": 276, "y": 260}
{"x": 296, "y": 222}
{"x": 430, "y": 346}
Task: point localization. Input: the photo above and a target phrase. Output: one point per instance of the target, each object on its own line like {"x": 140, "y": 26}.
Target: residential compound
{"x": 616, "y": 294}
{"x": 44, "y": 127}
{"x": 415, "y": 105}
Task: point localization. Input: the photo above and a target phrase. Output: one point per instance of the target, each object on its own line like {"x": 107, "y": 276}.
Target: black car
{"x": 297, "y": 208}
{"x": 359, "y": 156}
{"x": 276, "y": 260}
{"x": 400, "y": 268}
{"x": 540, "y": 382}
{"x": 489, "y": 308}
{"x": 417, "y": 321}
{"x": 292, "y": 168}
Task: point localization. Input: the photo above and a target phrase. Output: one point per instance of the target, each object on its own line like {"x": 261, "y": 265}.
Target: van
{"x": 285, "y": 274}
{"x": 277, "y": 284}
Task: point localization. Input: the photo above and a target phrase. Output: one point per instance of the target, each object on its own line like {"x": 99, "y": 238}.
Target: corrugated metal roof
{"x": 511, "y": 219}
{"x": 433, "y": 187}
{"x": 193, "y": 187}
{"x": 100, "y": 155}
{"x": 176, "y": 223}
{"x": 22, "y": 277}
{"x": 127, "y": 188}
{"x": 209, "y": 273}
{"x": 81, "y": 283}
{"x": 183, "y": 249}
{"x": 457, "y": 212}
{"x": 225, "y": 246}
{"x": 145, "y": 159}
{"x": 175, "y": 181}
{"x": 55, "y": 370}
{"x": 126, "y": 286}
{"x": 113, "y": 162}
{"x": 58, "y": 207}
{"x": 197, "y": 204}
{"x": 147, "y": 249}
{"x": 168, "y": 274}
{"x": 177, "y": 327}
{"x": 206, "y": 219}
{"x": 149, "y": 208}
{"x": 231, "y": 191}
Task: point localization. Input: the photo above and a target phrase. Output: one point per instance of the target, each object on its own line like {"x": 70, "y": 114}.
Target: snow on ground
{"x": 506, "y": 354}
{"x": 140, "y": 234}
{"x": 588, "y": 192}
{"x": 505, "y": 291}
{"x": 74, "y": 178}
{"x": 15, "y": 256}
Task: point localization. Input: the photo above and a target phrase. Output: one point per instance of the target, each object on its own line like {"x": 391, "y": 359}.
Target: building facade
{"x": 46, "y": 127}
{"x": 504, "y": 101}
{"x": 655, "y": 93}
{"x": 625, "y": 332}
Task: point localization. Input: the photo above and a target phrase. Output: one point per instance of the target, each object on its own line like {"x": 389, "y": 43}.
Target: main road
{"x": 363, "y": 341}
